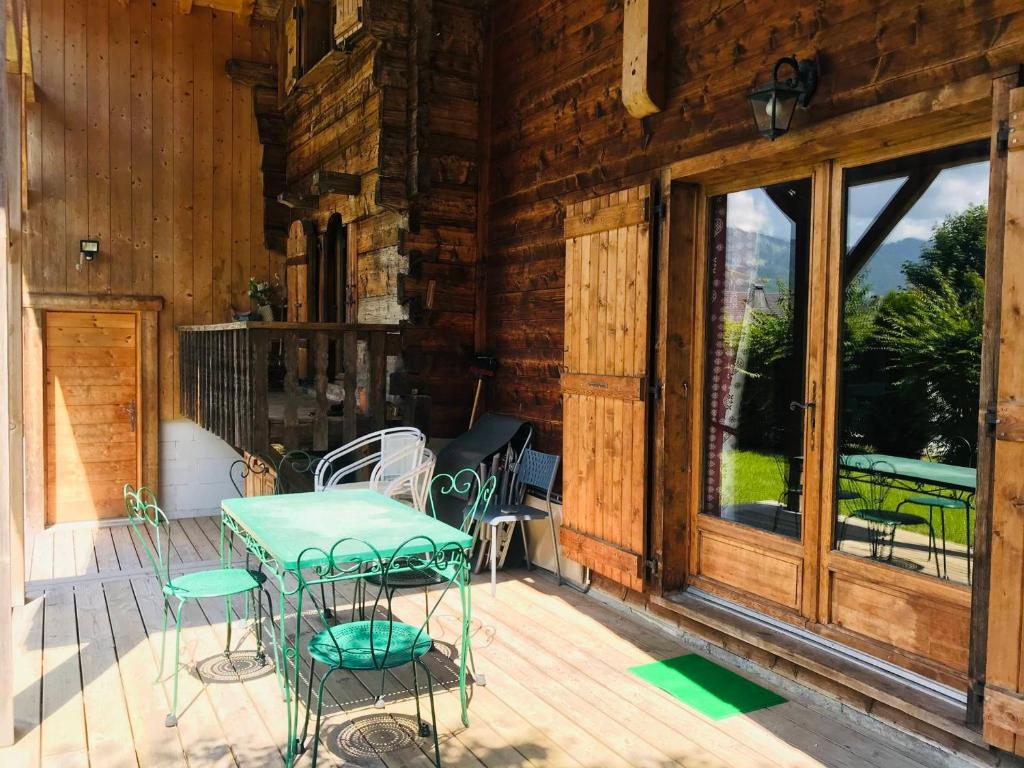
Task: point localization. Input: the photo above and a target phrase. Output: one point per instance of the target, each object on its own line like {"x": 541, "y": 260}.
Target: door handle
{"x": 811, "y": 405}
{"x": 132, "y": 414}
{"x": 802, "y": 406}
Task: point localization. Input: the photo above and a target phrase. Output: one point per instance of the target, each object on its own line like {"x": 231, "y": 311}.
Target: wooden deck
{"x": 558, "y": 692}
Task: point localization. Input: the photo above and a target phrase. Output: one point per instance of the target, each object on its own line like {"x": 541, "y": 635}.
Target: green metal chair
{"x": 464, "y": 489}
{"x": 152, "y": 529}
{"x": 380, "y": 642}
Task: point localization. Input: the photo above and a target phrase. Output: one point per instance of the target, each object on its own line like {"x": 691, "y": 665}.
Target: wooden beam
{"x": 327, "y": 182}
{"x": 254, "y": 73}
{"x": 295, "y": 200}
{"x": 104, "y": 302}
{"x": 644, "y": 34}
{"x": 899, "y": 205}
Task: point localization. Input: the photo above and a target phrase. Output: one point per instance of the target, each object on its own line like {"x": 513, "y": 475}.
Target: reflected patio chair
{"x": 847, "y": 493}
{"x": 152, "y": 529}
{"x": 790, "y": 490}
{"x": 882, "y": 523}
{"x": 936, "y": 501}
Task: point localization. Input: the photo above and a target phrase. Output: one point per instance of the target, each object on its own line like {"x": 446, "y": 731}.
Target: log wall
{"x": 138, "y": 139}
{"x": 400, "y": 110}
{"x": 559, "y": 133}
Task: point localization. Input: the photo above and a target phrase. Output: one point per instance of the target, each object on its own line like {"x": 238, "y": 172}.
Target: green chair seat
{"x": 222, "y": 582}
{"x": 359, "y": 651}
{"x": 886, "y": 517}
{"x": 936, "y": 501}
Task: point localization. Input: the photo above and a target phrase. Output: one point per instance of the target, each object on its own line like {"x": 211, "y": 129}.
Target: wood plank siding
{"x": 559, "y": 132}
{"x": 138, "y": 139}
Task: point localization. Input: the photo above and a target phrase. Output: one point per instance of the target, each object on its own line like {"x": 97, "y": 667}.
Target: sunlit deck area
{"x": 557, "y": 690}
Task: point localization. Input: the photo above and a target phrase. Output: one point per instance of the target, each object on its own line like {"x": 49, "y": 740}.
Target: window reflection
{"x": 913, "y": 274}
{"x": 756, "y": 337}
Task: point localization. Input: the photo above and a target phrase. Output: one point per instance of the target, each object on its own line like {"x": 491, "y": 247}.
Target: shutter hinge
{"x": 654, "y": 210}
{"x": 655, "y": 389}
{"x": 297, "y": 12}
{"x": 652, "y": 565}
{"x": 1003, "y": 138}
{"x": 991, "y": 420}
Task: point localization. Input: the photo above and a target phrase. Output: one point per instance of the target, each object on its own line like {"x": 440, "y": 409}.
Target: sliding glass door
{"x": 837, "y": 401}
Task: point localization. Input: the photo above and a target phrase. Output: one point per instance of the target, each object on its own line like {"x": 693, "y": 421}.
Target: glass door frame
{"x": 794, "y": 563}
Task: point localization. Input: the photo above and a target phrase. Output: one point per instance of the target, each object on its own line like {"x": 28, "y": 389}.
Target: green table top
{"x": 287, "y": 524}
{"x": 945, "y": 475}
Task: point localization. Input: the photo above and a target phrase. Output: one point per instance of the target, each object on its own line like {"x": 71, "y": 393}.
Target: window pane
{"x": 754, "y": 368}
{"x": 913, "y": 273}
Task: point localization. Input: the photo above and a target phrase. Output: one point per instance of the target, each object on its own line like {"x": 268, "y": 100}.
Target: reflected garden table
{"x": 277, "y": 529}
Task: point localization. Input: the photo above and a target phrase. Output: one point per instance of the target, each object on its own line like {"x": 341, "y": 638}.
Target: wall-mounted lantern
{"x": 773, "y": 104}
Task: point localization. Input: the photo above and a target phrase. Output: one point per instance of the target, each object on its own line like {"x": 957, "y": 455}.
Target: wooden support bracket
{"x": 326, "y": 182}
{"x": 295, "y": 200}
{"x": 254, "y": 73}
{"x": 644, "y": 68}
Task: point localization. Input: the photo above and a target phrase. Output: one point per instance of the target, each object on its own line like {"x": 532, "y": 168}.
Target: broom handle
{"x": 476, "y": 401}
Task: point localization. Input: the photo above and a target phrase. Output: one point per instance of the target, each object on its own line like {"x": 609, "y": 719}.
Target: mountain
{"x": 884, "y": 272}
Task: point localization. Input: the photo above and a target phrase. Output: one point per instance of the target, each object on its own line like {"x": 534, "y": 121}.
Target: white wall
{"x": 194, "y": 468}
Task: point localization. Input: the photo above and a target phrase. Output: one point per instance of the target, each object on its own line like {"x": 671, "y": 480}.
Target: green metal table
{"x": 277, "y": 529}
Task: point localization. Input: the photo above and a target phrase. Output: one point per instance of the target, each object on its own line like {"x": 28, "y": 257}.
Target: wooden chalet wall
{"x": 559, "y": 132}
{"x": 139, "y": 139}
{"x": 400, "y": 110}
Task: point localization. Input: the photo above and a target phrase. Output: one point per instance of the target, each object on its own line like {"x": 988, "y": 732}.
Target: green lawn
{"x": 751, "y": 476}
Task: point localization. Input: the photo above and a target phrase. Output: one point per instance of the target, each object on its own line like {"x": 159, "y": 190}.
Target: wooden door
{"x": 91, "y": 405}
{"x": 300, "y": 257}
{"x": 604, "y": 384}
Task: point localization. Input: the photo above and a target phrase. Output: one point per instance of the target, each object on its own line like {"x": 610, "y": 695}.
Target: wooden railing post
{"x": 260, "y": 384}
{"x": 320, "y": 363}
{"x": 291, "y": 390}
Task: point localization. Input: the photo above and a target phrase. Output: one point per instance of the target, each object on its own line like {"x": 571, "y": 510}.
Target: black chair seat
{"x": 888, "y": 517}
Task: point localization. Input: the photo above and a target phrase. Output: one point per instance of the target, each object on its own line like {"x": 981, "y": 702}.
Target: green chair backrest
{"x": 340, "y": 563}
{"x": 151, "y": 528}
{"x": 465, "y": 488}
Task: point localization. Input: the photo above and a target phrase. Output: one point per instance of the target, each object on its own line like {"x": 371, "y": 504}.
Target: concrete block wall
{"x": 194, "y": 466}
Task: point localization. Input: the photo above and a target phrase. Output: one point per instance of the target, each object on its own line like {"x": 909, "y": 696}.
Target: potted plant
{"x": 265, "y": 295}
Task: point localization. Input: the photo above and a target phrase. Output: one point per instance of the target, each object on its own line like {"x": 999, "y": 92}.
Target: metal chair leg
{"x": 554, "y": 546}
{"x": 433, "y": 715}
{"x": 227, "y": 618}
{"x": 172, "y": 718}
{"x": 319, "y": 712}
{"x": 163, "y": 641}
{"x": 494, "y": 560}
{"x": 309, "y": 706}
{"x": 526, "y": 545}
{"x": 261, "y": 656}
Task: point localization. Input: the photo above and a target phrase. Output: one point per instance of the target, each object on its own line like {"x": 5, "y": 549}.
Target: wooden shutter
{"x": 1004, "y": 362}
{"x": 604, "y": 384}
{"x": 348, "y": 18}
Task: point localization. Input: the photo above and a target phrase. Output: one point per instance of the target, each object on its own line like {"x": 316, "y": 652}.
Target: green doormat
{"x": 714, "y": 691}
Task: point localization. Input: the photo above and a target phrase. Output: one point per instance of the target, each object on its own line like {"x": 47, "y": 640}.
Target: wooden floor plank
{"x": 106, "y": 715}
{"x": 85, "y": 550}
{"x": 183, "y": 548}
{"x": 42, "y": 557}
{"x": 202, "y": 737}
{"x": 28, "y": 677}
{"x": 155, "y": 745}
{"x": 106, "y": 555}
{"x": 124, "y": 545}
{"x": 64, "y": 563}
{"x": 201, "y": 545}
{"x": 63, "y": 737}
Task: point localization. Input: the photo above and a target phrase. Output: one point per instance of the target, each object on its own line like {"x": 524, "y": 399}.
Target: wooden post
{"x": 644, "y": 34}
